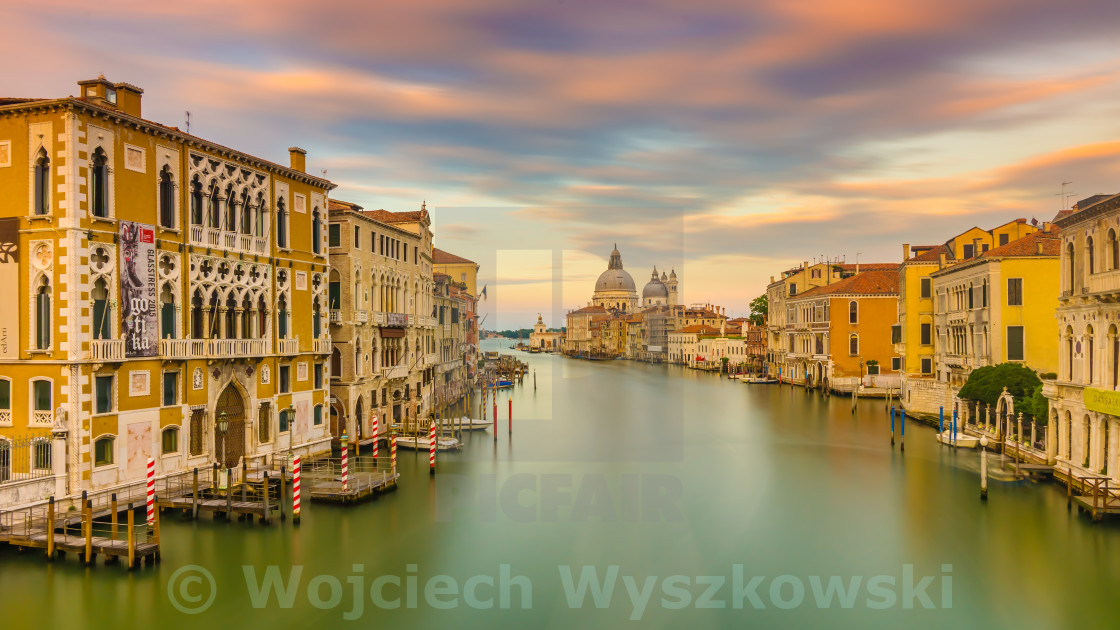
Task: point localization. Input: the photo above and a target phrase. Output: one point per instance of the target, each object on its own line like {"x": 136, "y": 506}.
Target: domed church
{"x": 660, "y": 291}
{"x": 615, "y": 288}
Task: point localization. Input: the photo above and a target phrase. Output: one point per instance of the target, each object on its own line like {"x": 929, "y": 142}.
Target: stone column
{"x": 222, "y": 333}
{"x": 238, "y": 323}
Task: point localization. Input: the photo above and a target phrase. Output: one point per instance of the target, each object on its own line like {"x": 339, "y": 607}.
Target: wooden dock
{"x": 37, "y": 527}
{"x": 366, "y": 478}
{"x": 236, "y": 492}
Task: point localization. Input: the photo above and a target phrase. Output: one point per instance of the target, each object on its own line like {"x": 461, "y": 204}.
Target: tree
{"x": 760, "y": 308}
{"x": 986, "y": 384}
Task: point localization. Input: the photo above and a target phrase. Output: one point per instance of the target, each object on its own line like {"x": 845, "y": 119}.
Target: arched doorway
{"x": 232, "y": 405}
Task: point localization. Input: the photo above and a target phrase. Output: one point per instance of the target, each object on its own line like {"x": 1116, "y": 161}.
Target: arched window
{"x": 282, "y": 318}
{"x": 215, "y": 219}
{"x": 246, "y": 213}
{"x": 264, "y": 423}
{"x": 166, "y": 198}
{"x": 197, "y": 434}
{"x": 334, "y": 290}
{"x": 336, "y": 363}
{"x": 1069, "y": 353}
{"x": 42, "y": 183}
{"x": 281, "y": 224}
{"x": 167, "y": 312}
{"x": 99, "y": 184}
{"x": 262, "y": 318}
{"x": 316, "y": 232}
{"x": 853, "y": 312}
{"x": 231, "y": 210}
{"x": 103, "y": 450}
{"x": 853, "y": 345}
{"x": 196, "y": 201}
{"x": 316, "y": 319}
{"x": 1089, "y": 253}
{"x": 1069, "y": 264}
{"x": 170, "y": 441}
{"x": 198, "y": 326}
{"x": 1089, "y": 355}
{"x": 971, "y": 292}
{"x": 231, "y": 316}
{"x": 259, "y": 228}
{"x": 43, "y": 315}
{"x": 100, "y": 297}
{"x": 358, "y": 357}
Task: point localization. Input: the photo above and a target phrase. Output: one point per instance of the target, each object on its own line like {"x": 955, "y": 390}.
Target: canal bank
{"x": 661, "y": 471}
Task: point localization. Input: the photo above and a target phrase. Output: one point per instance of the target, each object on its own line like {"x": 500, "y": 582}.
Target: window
{"x": 166, "y": 198}
{"x": 100, "y": 297}
{"x": 793, "y": 289}
{"x": 170, "y": 389}
{"x": 5, "y": 400}
{"x": 971, "y": 296}
{"x": 969, "y": 251}
{"x": 282, "y": 318}
{"x": 99, "y": 184}
{"x": 42, "y": 400}
{"x": 896, "y": 364}
{"x": 873, "y": 370}
{"x": 103, "y": 393}
{"x": 334, "y": 235}
{"x": 896, "y": 333}
{"x": 1014, "y": 291}
{"x": 927, "y": 365}
{"x": 1113, "y": 250}
{"x": 281, "y": 224}
{"x": 170, "y": 440}
{"x": 318, "y": 415}
{"x": 5, "y": 460}
{"x": 1003, "y": 239}
{"x": 926, "y": 284}
{"x": 316, "y": 232}
{"x": 853, "y": 312}
{"x": 284, "y": 421}
{"x": 357, "y": 237}
{"x": 198, "y": 422}
{"x": 196, "y": 202}
{"x": 43, "y": 315}
{"x": 103, "y": 451}
{"x": 285, "y": 383}
{"x": 927, "y": 334}
{"x": 1014, "y": 343}
{"x": 41, "y": 454}
{"x": 43, "y": 183}
{"x": 853, "y": 345}
{"x": 1089, "y": 253}
{"x": 318, "y": 376}
{"x": 167, "y": 312}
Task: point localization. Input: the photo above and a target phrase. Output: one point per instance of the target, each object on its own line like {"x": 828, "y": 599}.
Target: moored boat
{"x": 422, "y": 443}
{"x": 960, "y": 439}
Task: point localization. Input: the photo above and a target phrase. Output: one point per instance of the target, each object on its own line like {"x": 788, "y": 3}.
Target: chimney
{"x": 121, "y": 96}
{"x": 941, "y": 260}
{"x": 1046, "y": 226}
{"x": 299, "y": 159}
{"x": 906, "y": 251}
{"x": 805, "y": 265}
{"x": 1039, "y": 244}
{"x": 975, "y": 247}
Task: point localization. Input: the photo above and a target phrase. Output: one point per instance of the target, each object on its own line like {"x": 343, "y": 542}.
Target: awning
{"x": 393, "y": 333}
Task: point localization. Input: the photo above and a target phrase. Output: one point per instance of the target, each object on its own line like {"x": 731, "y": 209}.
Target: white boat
{"x": 422, "y": 443}
{"x": 469, "y": 424}
{"x": 960, "y": 439}
{"x": 759, "y": 380}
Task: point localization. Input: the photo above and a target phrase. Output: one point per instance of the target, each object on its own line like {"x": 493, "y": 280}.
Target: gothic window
{"x": 214, "y": 220}
{"x": 42, "y": 183}
{"x": 196, "y": 202}
{"x": 43, "y": 315}
{"x": 281, "y": 224}
{"x": 316, "y": 233}
{"x": 99, "y": 184}
{"x": 167, "y": 312}
{"x": 166, "y": 198}
{"x": 100, "y": 296}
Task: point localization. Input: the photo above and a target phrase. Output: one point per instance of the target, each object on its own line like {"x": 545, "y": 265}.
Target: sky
{"x": 727, "y": 140}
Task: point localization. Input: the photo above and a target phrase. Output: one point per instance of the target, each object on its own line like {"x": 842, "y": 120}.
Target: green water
{"x": 661, "y": 472}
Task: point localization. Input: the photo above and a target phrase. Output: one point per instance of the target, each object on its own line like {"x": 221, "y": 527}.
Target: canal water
{"x": 689, "y": 500}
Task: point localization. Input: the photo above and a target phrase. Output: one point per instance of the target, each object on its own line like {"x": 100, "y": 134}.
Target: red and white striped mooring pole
{"x": 393, "y": 453}
{"x": 376, "y": 437}
{"x": 151, "y": 491}
{"x": 345, "y": 465}
{"x": 432, "y": 449}
{"x": 297, "y": 469}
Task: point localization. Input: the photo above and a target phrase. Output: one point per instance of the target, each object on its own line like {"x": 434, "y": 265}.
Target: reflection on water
{"x": 667, "y": 474}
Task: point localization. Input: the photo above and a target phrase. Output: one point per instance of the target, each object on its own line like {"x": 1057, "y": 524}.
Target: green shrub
{"x": 986, "y": 384}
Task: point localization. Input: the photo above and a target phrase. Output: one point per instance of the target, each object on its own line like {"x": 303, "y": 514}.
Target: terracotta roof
{"x": 699, "y": 328}
{"x": 336, "y": 204}
{"x": 440, "y": 257}
{"x": 1028, "y": 245}
{"x": 385, "y": 216}
{"x": 634, "y": 319}
{"x": 590, "y": 309}
{"x": 933, "y": 254}
{"x": 12, "y": 100}
{"x": 873, "y": 282}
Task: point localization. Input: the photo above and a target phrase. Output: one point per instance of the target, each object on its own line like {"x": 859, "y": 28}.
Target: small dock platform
{"x": 239, "y": 492}
{"x": 366, "y": 478}
{"x": 37, "y": 527}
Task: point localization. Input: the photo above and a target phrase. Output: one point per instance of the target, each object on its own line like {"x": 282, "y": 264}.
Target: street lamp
{"x": 223, "y": 426}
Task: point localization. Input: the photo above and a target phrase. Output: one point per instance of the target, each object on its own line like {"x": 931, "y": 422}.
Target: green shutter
{"x": 5, "y": 395}
{"x": 1014, "y": 343}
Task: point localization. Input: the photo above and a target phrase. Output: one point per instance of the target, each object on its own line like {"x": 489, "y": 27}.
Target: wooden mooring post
{"x": 131, "y": 537}
{"x": 194, "y": 494}
{"x": 87, "y": 521}
{"x": 283, "y": 472}
{"x": 50, "y": 528}
{"x": 267, "y": 516}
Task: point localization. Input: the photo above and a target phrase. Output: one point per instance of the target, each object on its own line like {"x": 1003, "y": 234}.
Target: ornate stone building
{"x": 157, "y": 283}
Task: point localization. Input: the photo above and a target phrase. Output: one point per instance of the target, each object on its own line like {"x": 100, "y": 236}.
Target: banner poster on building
{"x": 9, "y": 279}
{"x": 138, "y": 289}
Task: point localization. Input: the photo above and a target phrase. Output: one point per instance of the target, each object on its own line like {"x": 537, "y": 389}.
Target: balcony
{"x": 430, "y": 359}
{"x": 397, "y": 372}
{"x": 322, "y": 346}
{"x": 231, "y": 241}
{"x": 361, "y": 317}
{"x": 396, "y": 320}
{"x": 182, "y": 349}
{"x": 1105, "y": 282}
{"x": 288, "y": 347}
{"x": 42, "y": 418}
{"x": 103, "y": 350}
{"x": 335, "y": 316}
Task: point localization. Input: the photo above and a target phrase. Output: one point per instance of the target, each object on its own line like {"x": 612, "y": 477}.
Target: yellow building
{"x": 459, "y": 269}
{"x": 840, "y": 332}
{"x": 914, "y": 337}
{"x": 157, "y": 283}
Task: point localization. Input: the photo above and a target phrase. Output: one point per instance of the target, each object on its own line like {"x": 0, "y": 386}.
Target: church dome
{"x": 615, "y": 278}
{"x": 655, "y": 288}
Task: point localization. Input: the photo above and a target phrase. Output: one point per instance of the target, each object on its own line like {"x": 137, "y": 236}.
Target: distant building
{"x": 542, "y": 339}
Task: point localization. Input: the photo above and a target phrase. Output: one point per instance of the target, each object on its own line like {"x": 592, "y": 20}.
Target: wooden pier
{"x": 39, "y": 527}
{"x": 244, "y": 493}
{"x": 366, "y": 477}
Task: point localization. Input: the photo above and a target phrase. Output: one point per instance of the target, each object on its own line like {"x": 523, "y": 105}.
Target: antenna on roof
{"x": 1065, "y": 195}
{"x": 188, "y": 121}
